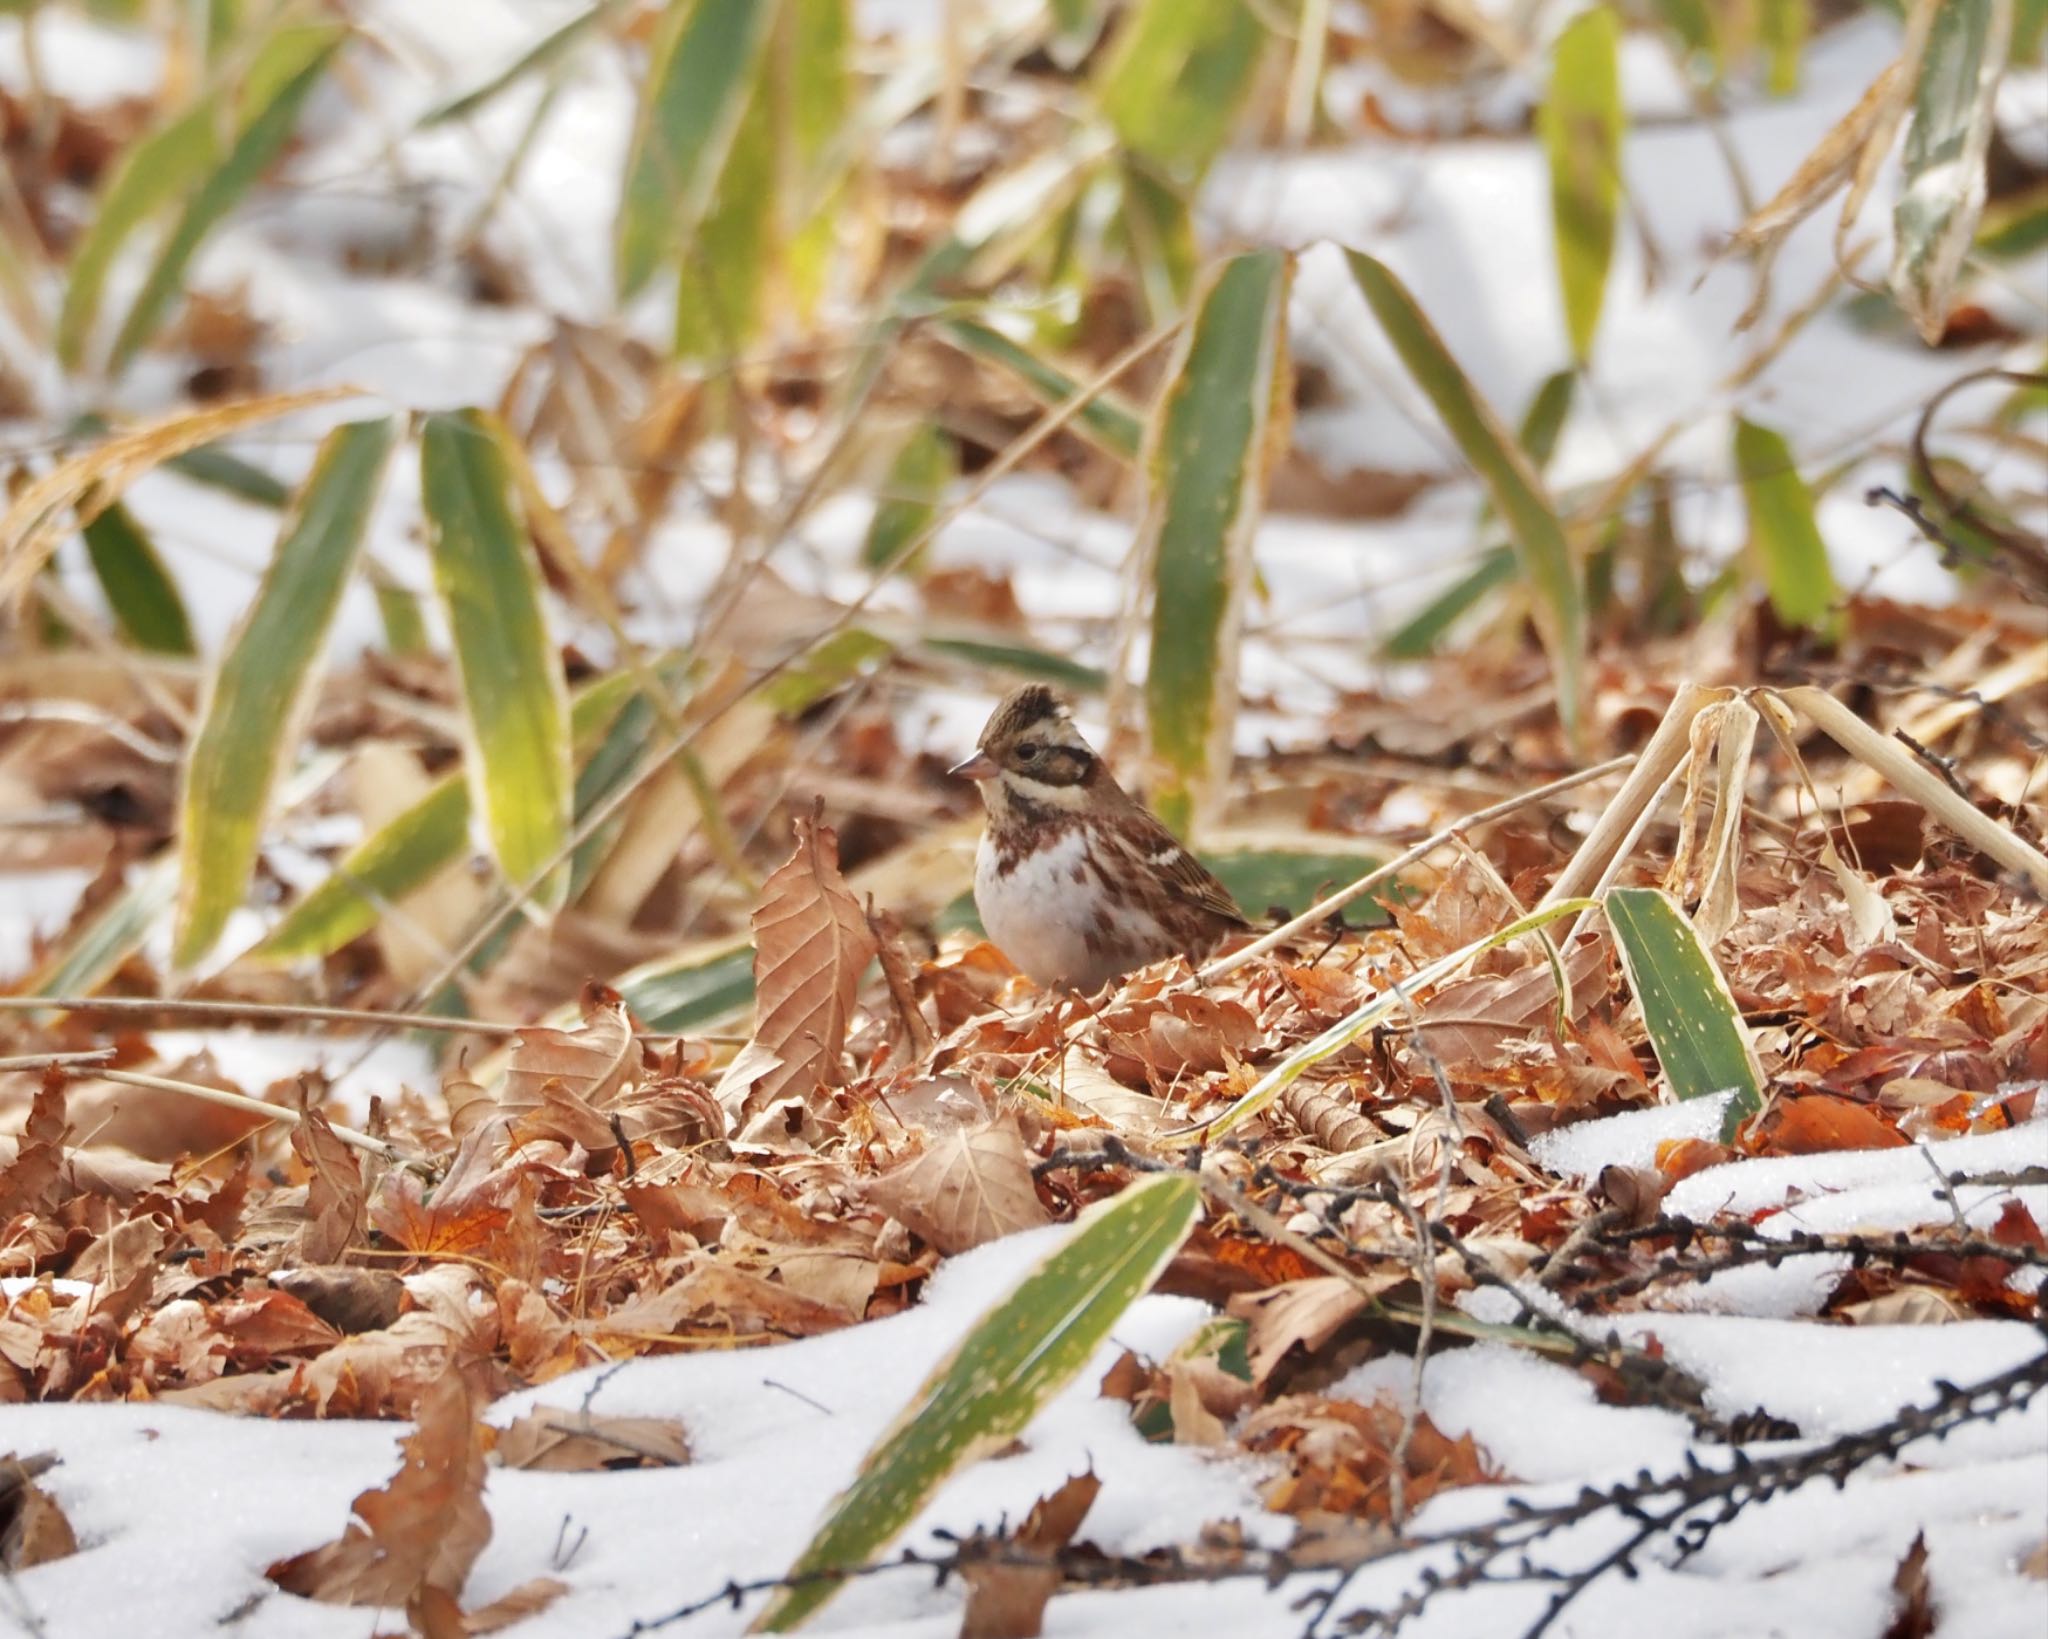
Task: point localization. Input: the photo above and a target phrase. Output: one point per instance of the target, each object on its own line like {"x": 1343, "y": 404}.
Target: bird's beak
{"x": 981, "y": 766}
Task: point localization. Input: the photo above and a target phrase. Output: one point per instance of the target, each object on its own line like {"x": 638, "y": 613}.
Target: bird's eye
{"x": 1027, "y": 754}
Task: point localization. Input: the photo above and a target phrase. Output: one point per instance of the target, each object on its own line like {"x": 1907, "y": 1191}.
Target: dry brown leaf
{"x": 968, "y": 1187}
{"x": 528, "y": 1599}
{"x": 1307, "y": 1313}
{"x": 592, "y": 1062}
{"x": 335, "y": 1196}
{"x": 33, "y": 1529}
{"x": 422, "y": 1531}
{"x": 811, "y": 942}
{"x": 1341, "y": 1456}
{"x": 1908, "y": 1306}
{"x": 571, "y": 1441}
{"x": 1914, "y": 1616}
{"x": 716, "y": 1294}
{"x": 32, "y": 1183}
{"x": 349, "y": 1299}
{"x": 1007, "y": 1601}
{"x": 1820, "y": 1123}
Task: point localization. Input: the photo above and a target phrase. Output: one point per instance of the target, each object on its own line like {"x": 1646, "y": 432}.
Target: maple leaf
{"x": 811, "y": 941}
{"x": 422, "y": 1531}
{"x": 968, "y": 1187}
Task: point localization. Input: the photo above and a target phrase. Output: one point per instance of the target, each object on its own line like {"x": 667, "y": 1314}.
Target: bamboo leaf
{"x": 1018, "y": 1356}
{"x": 1212, "y": 439}
{"x": 36, "y": 519}
{"x": 699, "y": 78}
{"x": 1375, "y": 1010}
{"x": 1942, "y": 196}
{"x": 514, "y": 701}
{"x": 1516, "y": 490}
{"x": 1057, "y": 669}
{"x": 1418, "y": 636}
{"x": 412, "y": 848}
{"x": 690, "y": 992}
{"x": 258, "y": 694}
{"x": 1582, "y": 121}
{"x": 1694, "y": 1024}
{"x": 725, "y": 265}
{"x": 1105, "y": 419}
{"x": 1782, "y": 28}
{"x": 924, "y": 465}
{"x": 1175, "y": 78}
{"x": 273, "y": 92}
{"x": 149, "y": 176}
{"x": 550, "y": 48}
{"x": 1784, "y": 531}
{"x": 138, "y": 588}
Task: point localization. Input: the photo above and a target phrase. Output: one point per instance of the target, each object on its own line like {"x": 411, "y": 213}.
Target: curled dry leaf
{"x": 811, "y": 942}
{"x": 335, "y": 1196}
{"x": 1306, "y": 1313}
{"x": 592, "y": 1062}
{"x": 969, "y": 1186}
{"x": 572, "y": 1441}
{"x": 1341, "y": 1456}
{"x": 422, "y": 1531}
{"x": 1007, "y": 1601}
{"x": 33, "y": 1529}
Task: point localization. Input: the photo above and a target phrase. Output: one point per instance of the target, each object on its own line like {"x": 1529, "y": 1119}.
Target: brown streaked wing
{"x": 1158, "y": 851}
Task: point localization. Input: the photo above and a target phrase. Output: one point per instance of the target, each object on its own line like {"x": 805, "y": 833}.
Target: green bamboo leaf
{"x": 414, "y": 846}
{"x": 1056, "y": 669}
{"x": 726, "y": 264}
{"x": 827, "y": 667}
{"x": 138, "y": 588}
{"x": 1694, "y": 1024}
{"x": 1176, "y": 77}
{"x": 272, "y": 93}
{"x": 1021, "y": 1353}
{"x": 258, "y": 694}
{"x": 217, "y": 469}
{"x": 1784, "y": 532}
{"x": 1582, "y": 121}
{"x": 700, "y": 77}
{"x": 1542, "y": 425}
{"x": 399, "y": 608}
{"x": 2015, "y": 227}
{"x": 89, "y": 955}
{"x": 1419, "y": 636}
{"x": 150, "y": 175}
{"x": 1512, "y": 483}
{"x": 551, "y": 48}
{"x": 1109, "y": 424}
{"x": 924, "y": 465}
{"x": 1943, "y": 189}
{"x": 513, "y": 698}
{"x": 1212, "y": 437}
{"x": 691, "y": 992}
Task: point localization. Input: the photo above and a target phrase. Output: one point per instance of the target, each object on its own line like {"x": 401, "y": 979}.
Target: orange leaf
{"x": 1820, "y": 1123}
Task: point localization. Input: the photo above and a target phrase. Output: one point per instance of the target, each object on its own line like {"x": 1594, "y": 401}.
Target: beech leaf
{"x": 811, "y": 941}
{"x": 422, "y": 1531}
{"x": 967, "y": 1187}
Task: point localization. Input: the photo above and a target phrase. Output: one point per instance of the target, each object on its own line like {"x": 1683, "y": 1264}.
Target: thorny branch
{"x": 1685, "y": 1507}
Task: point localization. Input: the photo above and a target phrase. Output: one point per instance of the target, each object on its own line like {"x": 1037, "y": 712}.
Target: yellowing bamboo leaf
{"x": 811, "y": 941}
{"x": 36, "y": 520}
{"x": 1516, "y": 491}
{"x": 1581, "y": 121}
{"x": 258, "y": 694}
{"x": 514, "y": 701}
{"x": 1175, "y": 78}
{"x": 1219, "y": 422}
{"x": 1022, "y": 1351}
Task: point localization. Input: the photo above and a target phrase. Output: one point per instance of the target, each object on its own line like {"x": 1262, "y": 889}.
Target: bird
{"x": 1076, "y": 881}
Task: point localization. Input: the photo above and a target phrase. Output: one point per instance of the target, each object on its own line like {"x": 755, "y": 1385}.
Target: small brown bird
{"x": 1075, "y": 881}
